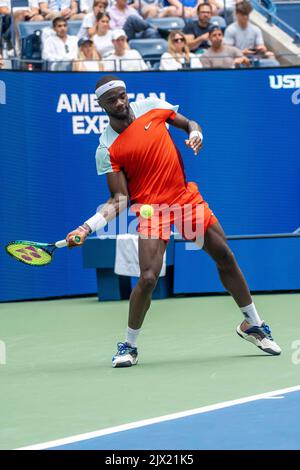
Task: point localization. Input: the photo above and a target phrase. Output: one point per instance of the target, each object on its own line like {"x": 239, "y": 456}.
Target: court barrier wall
{"x": 50, "y": 125}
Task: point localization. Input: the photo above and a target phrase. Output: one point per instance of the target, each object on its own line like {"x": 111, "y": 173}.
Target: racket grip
{"x": 63, "y": 243}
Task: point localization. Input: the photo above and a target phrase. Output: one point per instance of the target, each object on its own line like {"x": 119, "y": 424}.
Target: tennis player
{"x": 143, "y": 166}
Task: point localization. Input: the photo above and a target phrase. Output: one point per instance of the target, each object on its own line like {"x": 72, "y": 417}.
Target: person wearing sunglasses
{"x": 178, "y": 55}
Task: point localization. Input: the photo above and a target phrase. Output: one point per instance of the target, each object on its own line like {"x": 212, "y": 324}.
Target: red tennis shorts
{"x": 191, "y": 216}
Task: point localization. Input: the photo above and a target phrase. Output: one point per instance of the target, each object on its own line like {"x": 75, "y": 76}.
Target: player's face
{"x": 115, "y": 103}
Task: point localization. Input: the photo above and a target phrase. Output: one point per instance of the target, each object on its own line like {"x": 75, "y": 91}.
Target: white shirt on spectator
{"x": 55, "y": 49}
{"x": 88, "y": 22}
{"x": 129, "y": 62}
{"x": 57, "y": 5}
{"x": 168, "y": 62}
{"x": 30, "y": 4}
{"x": 103, "y": 44}
{"x": 243, "y": 38}
{"x": 86, "y": 5}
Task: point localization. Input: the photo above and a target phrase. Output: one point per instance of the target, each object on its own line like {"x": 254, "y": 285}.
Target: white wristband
{"x": 196, "y": 134}
{"x": 96, "y": 222}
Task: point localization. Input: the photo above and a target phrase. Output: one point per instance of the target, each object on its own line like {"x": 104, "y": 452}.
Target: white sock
{"x": 131, "y": 336}
{"x": 251, "y": 315}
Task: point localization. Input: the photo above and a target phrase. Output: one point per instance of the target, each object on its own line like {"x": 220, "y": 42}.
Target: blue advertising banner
{"x": 248, "y": 170}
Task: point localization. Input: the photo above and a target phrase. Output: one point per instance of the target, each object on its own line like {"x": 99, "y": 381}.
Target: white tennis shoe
{"x": 260, "y": 336}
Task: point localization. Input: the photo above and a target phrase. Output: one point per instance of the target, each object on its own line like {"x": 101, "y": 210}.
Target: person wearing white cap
{"x": 123, "y": 58}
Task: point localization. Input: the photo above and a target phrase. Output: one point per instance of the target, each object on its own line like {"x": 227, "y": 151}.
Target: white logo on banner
{"x": 284, "y": 81}
{"x": 2, "y": 92}
{"x": 82, "y": 105}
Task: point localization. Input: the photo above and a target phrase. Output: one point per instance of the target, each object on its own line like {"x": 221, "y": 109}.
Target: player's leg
{"x": 252, "y": 328}
{"x": 151, "y": 252}
{"x": 216, "y": 246}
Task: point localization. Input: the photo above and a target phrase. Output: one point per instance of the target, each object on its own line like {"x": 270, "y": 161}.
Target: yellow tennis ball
{"x": 146, "y": 211}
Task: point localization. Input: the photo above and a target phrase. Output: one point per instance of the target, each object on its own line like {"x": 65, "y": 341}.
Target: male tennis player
{"x": 143, "y": 166}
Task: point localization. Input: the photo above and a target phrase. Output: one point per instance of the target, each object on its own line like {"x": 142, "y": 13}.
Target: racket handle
{"x": 63, "y": 243}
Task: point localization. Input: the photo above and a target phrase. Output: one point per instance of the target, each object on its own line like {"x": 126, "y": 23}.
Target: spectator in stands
{"x": 197, "y": 31}
{"x": 220, "y": 55}
{"x": 31, "y": 13}
{"x": 119, "y": 13}
{"x": 103, "y": 37}
{"x": 1, "y": 61}
{"x": 244, "y": 35}
{"x": 123, "y": 58}
{"x": 185, "y": 8}
{"x": 86, "y": 6}
{"x": 154, "y": 9}
{"x": 60, "y": 47}
{"x": 89, "y": 23}
{"x": 178, "y": 55}
{"x": 5, "y": 33}
{"x": 89, "y": 59}
{"x": 67, "y": 9}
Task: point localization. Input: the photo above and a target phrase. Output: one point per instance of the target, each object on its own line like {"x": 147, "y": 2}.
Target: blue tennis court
{"x": 268, "y": 421}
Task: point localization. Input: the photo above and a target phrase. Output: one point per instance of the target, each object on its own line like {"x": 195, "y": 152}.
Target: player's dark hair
{"x": 106, "y": 79}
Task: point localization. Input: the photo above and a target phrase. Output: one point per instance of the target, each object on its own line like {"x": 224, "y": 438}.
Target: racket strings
{"x": 30, "y": 254}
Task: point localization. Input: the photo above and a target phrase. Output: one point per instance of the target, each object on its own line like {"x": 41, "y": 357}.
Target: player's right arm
{"x": 118, "y": 201}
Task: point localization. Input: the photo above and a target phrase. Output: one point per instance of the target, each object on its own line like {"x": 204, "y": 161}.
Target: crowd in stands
{"x": 211, "y": 36}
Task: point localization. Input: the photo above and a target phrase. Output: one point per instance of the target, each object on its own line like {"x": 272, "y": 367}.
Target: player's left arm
{"x": 192, "y": 128}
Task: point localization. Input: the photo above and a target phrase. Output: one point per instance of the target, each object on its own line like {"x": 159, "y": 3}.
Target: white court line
{"x": 147, "y": 422}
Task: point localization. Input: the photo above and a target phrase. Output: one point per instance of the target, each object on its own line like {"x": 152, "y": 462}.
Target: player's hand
{"x": 71, "y": 237}
{"x": 195, "y": 143}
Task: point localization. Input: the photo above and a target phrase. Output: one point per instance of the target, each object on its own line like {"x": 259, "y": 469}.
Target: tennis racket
{"x": 35, "y": 253}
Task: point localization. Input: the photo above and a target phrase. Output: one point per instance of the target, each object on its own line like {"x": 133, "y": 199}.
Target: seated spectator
{"x": 86, "y": 6}
{"x": 119, "y": 13}
{"x": 89, "y": 59}
{"x": 89, "y": 22}
{"x": 31, "y": 13}
{"x": 60, "y": 47}
{"x": 136, "y": 27}
{"x": 123, "y": 58}
{"x": 1, "y": 62}
{"x": 185, "y": 8}
{"x": 220, "y": 55}
{"x": 154, "y": 9}
{"x": 6, "y": 32}
{"x": 178, "y": 55}
{"x": 67, "y": 9}
{"x": 196, "y": 32}
{"x": 244, "y": 35}
{"x": 103, "y": 37}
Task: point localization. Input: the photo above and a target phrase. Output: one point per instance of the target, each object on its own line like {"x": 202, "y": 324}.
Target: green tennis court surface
{"x": 58, "y": 380}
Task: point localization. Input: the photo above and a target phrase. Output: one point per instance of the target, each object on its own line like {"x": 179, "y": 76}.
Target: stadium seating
{"x": 290, "y": 13}
{"x": 165, "y": 25}
{"x": 218, "y": 20}
{"x": 28, "y": 27}
{"x": 150, "y": 49}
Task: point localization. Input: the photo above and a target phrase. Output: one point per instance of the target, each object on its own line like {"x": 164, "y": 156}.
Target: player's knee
{"x": 148, "y": 280}
{"x": 225, "y": 259}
